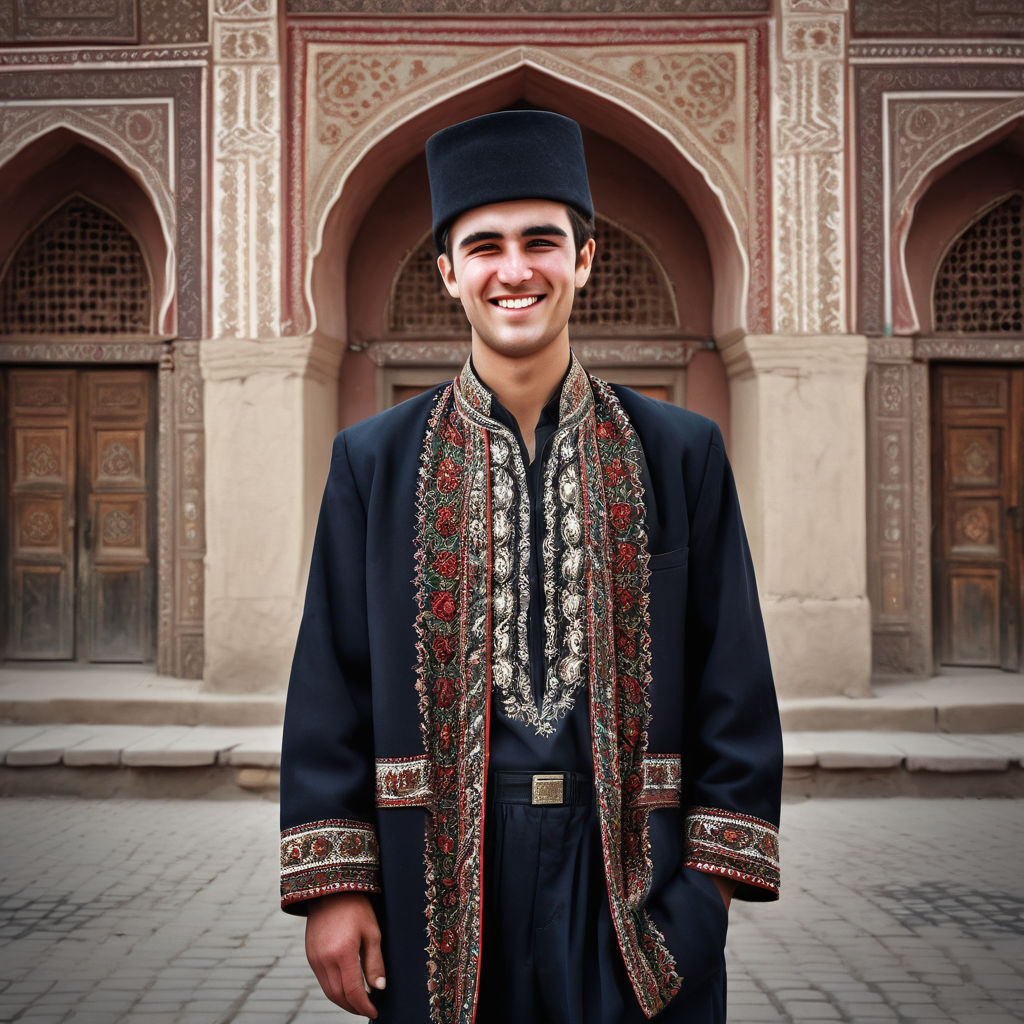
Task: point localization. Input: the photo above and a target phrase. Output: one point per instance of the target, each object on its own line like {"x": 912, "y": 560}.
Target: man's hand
{"x": 343, "y": 944}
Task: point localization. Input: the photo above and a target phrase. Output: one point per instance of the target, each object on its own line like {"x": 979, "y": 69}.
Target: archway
{"x": 102, "y": 512}
{"x": 372, "y": 227}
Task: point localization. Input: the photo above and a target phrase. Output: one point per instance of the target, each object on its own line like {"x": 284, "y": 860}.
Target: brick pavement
{"x": 150, "y": 911}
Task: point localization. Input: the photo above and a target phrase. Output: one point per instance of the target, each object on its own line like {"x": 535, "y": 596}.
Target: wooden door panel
{"x": 118, "y": 459}
{"x": 41, "y": 626}
{"x": 977, "y": 528}
{"x": 119, "y": 615}
{"x": 975, "y": 617}
{"x": 119, "y": 529}
{"x": 975, "y": 456}
{"x": 115, "y": 566}
{"x": 978, "y": 415}
{"x": 42, "y": 392}
{"x": 41, "y": 457}
{"x": 41, "y": 530}
{"x": 41, "y": 513}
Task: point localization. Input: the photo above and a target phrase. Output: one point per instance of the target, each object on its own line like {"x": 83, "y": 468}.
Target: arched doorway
{"x": 82, "y": 272}
{"x": 978, "y": 445}
{"x": 645, "y": 319}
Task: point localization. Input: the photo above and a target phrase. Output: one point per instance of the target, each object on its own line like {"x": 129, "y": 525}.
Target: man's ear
{"x": 448, "y": 275}
{"x": 584, "y": 261}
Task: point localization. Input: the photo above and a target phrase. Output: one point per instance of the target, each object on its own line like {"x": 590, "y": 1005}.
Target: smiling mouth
{"x": 521, "y": 302}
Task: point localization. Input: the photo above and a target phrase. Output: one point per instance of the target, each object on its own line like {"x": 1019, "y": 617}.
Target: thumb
{"x": 373, "y": 960}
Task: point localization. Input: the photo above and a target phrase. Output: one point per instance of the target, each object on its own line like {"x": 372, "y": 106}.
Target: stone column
{"x": 270, "y": 401}
{"x": 798, "y": 453}
{"x": 797, "y": 396}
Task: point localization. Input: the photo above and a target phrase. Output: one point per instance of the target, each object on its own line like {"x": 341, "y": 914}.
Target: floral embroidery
{"x": 472, "y": 584}
{"x": 662, "y": 779}
{"x": 734, "y": 845}
{"x": 404, "y": 782}
{"x": 328, "y": 856}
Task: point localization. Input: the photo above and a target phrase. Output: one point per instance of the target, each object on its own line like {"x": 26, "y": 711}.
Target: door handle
{"x": 1016, "y": 516}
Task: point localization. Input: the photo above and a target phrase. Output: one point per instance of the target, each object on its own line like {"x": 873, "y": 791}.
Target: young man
{"x": 568, "y": 714}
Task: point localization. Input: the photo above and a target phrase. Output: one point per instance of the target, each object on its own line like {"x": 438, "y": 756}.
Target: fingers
{"x": 343, "y": 941}
{"x": 373, "y": 959}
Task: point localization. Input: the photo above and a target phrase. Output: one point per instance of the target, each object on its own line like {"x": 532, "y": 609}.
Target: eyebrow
{"x": 531, "y": 232}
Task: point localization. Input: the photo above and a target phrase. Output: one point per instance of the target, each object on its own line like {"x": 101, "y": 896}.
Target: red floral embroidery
{"x": 631, "y": 731}
{"x": 442, "y": 604}
{"x": 607, "y": 431}
{"x": 625, "y": 557}
{"x": 451, "y": 433}
{"x": 621, "y": 515}
{"x": 626, "y": 643}
{"x": 445, "y": 522}
{"x": 448, "y": 476}
{"x": 444, "y": 648}
{"x": 445, "y": 692}
{"x": 447, "y": 564}
{"x": 614, "y": 472}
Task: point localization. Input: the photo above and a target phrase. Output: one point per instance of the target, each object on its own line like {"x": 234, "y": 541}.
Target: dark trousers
{"x": 549, "y": 948}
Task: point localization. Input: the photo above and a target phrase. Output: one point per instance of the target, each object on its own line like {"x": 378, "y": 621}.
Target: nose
{"x": 514, "y": 267}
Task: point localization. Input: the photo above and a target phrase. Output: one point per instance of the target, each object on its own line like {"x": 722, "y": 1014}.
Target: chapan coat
{"x": 404, "y": 639}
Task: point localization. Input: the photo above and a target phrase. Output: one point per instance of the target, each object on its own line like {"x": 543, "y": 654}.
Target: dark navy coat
{"x": 352, "y": 700}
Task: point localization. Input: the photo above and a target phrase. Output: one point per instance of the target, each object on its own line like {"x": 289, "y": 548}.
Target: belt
{"x": 546, "y": 789}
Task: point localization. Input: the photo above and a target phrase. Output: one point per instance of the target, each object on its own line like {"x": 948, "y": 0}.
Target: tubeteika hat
{"x": 513, "y": 154}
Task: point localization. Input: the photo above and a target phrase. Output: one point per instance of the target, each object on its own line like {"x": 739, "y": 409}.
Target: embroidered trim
{"x": 734, "y": 845}
{"x": 404, "y": 782}
{"x": 454, "y": 630}
{"x": 328, "y": 856}
{"x": 662, "y": 780}
{"x": 472, "y": 586}
{"x": 619, "y": 683}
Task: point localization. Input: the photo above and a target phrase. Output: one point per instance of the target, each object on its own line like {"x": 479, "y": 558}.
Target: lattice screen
{"x": 79, "y": 272}
{"x": 978, "y": 288}
{"x": 628, "y": 290}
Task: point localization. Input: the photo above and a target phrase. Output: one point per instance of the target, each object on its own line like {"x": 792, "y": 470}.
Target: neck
{"x": 523, "y": 384}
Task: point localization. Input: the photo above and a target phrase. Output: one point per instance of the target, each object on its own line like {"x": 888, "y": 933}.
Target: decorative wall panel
{"x": 809, "y": 257}
{"x": 131, "y": 129}
{"x": 43, "y": 21}
{"x": 903, "y": 133}
{"x": 174, "y": 21}
{"x": 247, "y": 157}
{"x": 938, "y": 18}
{"x": 507, "y": 7}
{"x": 702, "y": 87}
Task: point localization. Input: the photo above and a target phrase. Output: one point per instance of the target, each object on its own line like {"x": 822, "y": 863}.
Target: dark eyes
{"x": 533, "y": 243}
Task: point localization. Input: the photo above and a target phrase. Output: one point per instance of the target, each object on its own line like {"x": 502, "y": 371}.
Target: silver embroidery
{"x": 564, "y": 564}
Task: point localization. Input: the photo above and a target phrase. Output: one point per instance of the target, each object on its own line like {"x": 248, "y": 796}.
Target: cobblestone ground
{"x": 155, "y": 910}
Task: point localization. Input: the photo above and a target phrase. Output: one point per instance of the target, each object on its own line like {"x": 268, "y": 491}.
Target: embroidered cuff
{"x": 404, "y": 782}
{"x": 661, "y": 780}
{"x": 328, "y": 856}
{"x": 735, "y": 846}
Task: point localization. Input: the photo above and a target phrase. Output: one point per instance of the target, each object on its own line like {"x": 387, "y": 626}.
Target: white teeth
{"x": 518, "y": 303}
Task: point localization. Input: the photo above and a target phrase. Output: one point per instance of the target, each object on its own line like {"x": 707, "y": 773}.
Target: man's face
{"x": 515, "y": 268}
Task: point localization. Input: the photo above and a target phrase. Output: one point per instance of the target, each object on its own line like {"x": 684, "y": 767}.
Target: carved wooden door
{"x": 979, "y": 505}
{"x": 80, "y": 516}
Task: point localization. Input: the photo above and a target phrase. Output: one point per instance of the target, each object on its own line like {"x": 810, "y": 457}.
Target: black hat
{"x": 513, "y": 154}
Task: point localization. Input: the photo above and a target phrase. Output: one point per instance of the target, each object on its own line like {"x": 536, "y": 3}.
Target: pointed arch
{"x": 56, "y": 162}
{"x": 967, "y": 185}
{"x": 348, "y": 184}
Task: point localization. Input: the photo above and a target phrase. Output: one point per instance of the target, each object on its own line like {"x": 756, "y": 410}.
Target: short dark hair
{"x": 583, "y": 228}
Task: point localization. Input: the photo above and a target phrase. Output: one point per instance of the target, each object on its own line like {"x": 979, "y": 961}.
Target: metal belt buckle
{"x": 548, "y": 789}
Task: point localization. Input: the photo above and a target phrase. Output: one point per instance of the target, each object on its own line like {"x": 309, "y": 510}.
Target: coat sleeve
{"x": 328, "y": 837}
{"x": 733, "y": 771}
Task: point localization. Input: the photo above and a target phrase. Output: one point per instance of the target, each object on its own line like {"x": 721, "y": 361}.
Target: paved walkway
{"x": 154, "y": 911}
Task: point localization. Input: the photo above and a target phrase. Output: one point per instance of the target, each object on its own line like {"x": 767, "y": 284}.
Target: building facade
{"x": 214, "y": 252}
